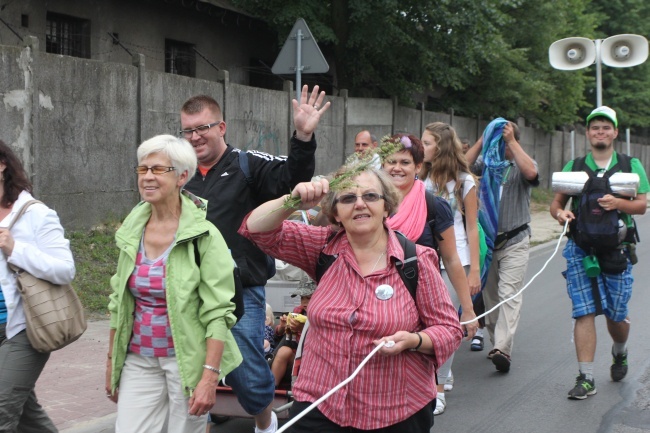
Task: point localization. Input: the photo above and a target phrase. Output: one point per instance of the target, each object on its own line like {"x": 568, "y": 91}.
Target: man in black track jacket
{"x": 234, "y": 185}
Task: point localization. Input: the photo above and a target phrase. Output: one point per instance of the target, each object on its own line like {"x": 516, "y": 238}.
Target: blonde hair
{"x": 270, "y": 320}
{"x": 448, "y": 161}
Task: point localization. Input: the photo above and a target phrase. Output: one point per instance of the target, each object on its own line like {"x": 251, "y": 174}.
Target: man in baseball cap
{"x": 613, "y": 287}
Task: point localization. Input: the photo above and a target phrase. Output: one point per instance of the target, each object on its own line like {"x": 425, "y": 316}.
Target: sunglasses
{"x": 156, "y": 169}
{"x": 369, "y": 197}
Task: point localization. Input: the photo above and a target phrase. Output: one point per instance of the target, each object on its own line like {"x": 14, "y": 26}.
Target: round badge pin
{"x": 384, "y": 292}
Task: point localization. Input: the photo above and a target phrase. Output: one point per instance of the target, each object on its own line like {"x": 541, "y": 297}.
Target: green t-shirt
{"x": 635, "y": 165}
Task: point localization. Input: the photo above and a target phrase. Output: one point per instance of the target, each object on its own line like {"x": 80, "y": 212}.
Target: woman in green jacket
{"x": 170, "y": 339}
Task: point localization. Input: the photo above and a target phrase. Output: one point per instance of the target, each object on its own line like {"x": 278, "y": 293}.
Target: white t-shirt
{"x": 462, "y": 245}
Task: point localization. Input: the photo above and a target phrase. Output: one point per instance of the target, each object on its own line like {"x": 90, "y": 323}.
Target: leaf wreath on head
{"x": 390, "y": 145}
{"x": 343, "y": 180}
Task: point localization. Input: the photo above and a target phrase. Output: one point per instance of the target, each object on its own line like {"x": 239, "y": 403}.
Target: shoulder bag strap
{"x": 21, "y": 212}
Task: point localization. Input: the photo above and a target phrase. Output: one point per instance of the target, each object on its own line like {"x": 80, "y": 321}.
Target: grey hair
{"x": 179, "y": 151}
{"x": 388, "y": 190}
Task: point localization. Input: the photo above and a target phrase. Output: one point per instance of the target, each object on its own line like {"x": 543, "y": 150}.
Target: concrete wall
{"x": 76, "y": 124}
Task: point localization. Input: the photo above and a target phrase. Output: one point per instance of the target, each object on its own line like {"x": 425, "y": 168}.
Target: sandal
{"x": 501, "y": 361}
{"x": 477, "y": 344}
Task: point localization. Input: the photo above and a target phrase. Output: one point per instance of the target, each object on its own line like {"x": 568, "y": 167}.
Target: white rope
{"x": 557, "y": 246}
{"x": 331, "y": 391}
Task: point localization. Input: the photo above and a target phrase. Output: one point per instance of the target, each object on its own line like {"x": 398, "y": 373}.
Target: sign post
{"x": 300, "y": 54}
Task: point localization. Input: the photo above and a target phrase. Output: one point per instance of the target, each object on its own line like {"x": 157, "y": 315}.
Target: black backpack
{"x": 594, "y": 228}
{"x": 408, "y": 269}
{"x": 238, "y": 297}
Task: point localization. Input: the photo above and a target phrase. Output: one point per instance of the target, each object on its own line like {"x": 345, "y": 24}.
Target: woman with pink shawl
{"x": 426, "y": 219}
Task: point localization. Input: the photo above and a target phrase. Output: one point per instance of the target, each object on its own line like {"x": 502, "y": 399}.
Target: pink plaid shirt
{"x": 345, "y": 312}
{"x": 152, "y": 333}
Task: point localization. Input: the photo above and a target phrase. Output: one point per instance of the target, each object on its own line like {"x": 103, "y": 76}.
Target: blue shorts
{"x": 252, "y": 381}
{"x": 615, "y": 289}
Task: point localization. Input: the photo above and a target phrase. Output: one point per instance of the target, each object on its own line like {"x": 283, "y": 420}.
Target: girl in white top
{"x": 446, "y": 173}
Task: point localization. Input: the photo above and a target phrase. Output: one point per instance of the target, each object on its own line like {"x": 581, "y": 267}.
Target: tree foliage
{"x": 627, "y": 90}
{"x": 487, "y": 57}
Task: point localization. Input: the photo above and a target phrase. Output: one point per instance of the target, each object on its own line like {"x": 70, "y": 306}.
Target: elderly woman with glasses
{"x": 171, "y": 311}
{"x": 361, "y": 301}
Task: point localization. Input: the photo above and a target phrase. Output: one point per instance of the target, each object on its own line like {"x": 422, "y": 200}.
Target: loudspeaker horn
{"x": 624, "y": 51}
{"x": 572, "y": 53}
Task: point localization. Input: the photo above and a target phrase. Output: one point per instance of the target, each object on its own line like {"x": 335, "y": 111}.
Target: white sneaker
{"x": 449, "y": 384}
{"x": 441, "y": 404}
{"x": 272, "y": 427}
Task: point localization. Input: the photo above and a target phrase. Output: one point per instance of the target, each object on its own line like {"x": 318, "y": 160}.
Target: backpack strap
{"x": 243, "y": 165}
{"x": 625, "y": 161}
{"x": 407, "y": 269}
{"x": 431, "y": 216}
{"x": 238, "y": 297}
{"x": 580, "y": 164}
{"x": 324, "y": 261}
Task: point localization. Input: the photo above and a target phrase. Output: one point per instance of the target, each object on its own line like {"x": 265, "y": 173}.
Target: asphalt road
{"x": 532, "y": 396}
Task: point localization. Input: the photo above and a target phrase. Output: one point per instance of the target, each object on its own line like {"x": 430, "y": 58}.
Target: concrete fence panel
{"x": 85, "y": 154}
{"x": 163, "y": 96}
{"x": 407, "y": 121}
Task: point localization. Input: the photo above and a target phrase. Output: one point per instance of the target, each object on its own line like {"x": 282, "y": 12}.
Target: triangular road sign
{"x": 312, "y": 60}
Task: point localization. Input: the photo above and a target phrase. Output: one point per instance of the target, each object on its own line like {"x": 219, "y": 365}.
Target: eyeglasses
{"x": 201, "y": 130}
{"x": 369, "y": 197}
{"x": 156, "y": 169}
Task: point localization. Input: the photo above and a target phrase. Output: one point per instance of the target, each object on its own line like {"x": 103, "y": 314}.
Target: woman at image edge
{"x": 36, "y": 244}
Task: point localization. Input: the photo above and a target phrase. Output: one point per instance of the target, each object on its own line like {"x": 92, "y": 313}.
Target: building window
{"x": 67, "y": 35}
{"x": 180, "y": 58}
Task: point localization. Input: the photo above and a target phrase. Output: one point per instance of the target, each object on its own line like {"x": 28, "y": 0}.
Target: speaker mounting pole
{"x": 599, "y": 73}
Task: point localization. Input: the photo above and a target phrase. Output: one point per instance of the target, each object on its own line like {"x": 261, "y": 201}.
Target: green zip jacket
{"x": 198, "y": 301}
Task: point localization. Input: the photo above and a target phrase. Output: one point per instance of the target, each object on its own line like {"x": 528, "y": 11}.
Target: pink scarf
{"x": 412, "y": 213}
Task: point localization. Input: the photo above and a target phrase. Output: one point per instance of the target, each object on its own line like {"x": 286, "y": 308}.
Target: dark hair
{"x": 198, "y": 103}
{"x": 416, "y": 150}
{"x": 14, "y": 178}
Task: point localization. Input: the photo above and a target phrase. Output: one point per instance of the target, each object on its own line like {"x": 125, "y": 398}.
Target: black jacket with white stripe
{"x": 231, "y": 196}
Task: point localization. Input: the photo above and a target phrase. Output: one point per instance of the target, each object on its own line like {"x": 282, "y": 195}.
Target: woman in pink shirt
{"x": 360, "y": 302}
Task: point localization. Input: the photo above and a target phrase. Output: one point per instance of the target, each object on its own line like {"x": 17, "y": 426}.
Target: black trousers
{"x": 316, "y": 422}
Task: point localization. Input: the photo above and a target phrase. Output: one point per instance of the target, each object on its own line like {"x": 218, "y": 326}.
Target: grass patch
{"x": 95, "y": 255}
{"x": 540, "y": 199}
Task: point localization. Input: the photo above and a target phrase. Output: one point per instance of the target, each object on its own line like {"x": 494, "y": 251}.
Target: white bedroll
{"x": 572, "y": 183}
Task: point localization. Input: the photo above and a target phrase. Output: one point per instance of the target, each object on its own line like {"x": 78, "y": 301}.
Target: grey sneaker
{"x": 583, "y": 388}
{"x": 618, "y": 370}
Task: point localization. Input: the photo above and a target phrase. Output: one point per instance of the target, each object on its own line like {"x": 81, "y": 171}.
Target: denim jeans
{"x": 252, "y": 381}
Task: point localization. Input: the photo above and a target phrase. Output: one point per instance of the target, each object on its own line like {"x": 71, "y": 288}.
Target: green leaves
{"x": 479, "y": 57}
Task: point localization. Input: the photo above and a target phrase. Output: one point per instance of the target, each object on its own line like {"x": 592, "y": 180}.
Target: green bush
{"x": 95, "y": 255}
